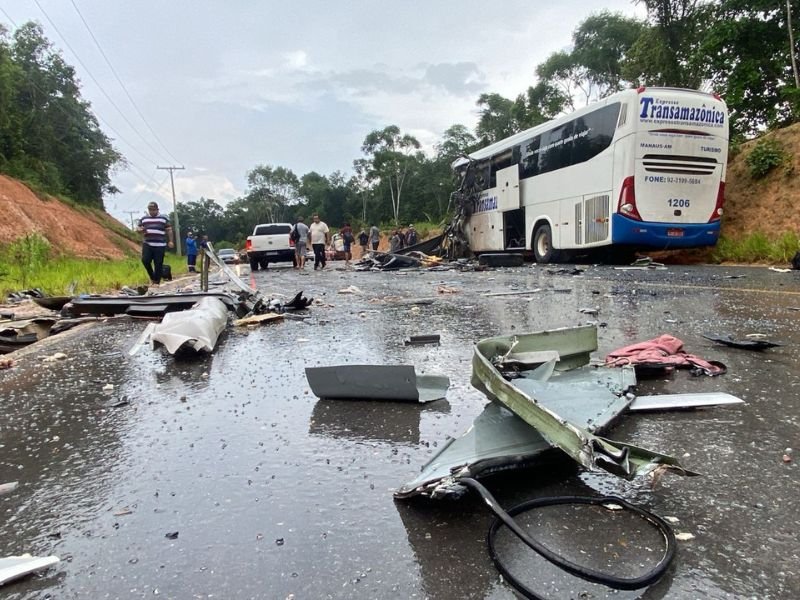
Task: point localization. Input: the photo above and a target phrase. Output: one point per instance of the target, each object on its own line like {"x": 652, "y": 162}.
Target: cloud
{"x": 457, "y": 78}
{"x": 296, "y": 59}
{"x": 426, "y": 97}
{"x": 189, "y": 188}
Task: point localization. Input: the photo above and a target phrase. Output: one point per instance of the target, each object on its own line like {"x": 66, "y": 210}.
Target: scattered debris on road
{"x": 376, "y": 382}
{"x": 7, "y": 488}
{"x": 419, "y": 340}
{"x": 258, "y": 319}
{"x": 193, "y": 330}
{"x": 14, "y": 567}
{"x": 751, "y": 344}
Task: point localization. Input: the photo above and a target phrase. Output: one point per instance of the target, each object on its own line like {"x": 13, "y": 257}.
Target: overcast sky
{"x": 227, "y": 85}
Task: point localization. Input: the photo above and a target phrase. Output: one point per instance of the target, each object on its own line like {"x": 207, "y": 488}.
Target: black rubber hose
{"x": 505, "y": 518}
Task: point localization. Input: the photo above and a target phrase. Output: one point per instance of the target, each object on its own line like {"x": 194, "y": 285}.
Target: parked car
{"x": 229, "y": 256}
{"x": 269, "y": 243}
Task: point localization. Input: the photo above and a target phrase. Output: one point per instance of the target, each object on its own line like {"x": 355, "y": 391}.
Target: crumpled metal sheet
{"x": 376, "y": 382}
{"x": 574, "y": 345}
{"x": 498, "y": 440}
{"x": 197, "y": 328}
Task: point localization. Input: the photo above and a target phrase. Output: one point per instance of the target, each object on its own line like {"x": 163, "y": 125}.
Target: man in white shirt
{"x": 319, "y": 236}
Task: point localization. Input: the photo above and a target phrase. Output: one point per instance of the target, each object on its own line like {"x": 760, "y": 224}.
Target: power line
{"x": 108, "y": 126}
{"x": 135, "y": 169}
{"x": 8, "y": 17}
{"x": 99, "y": 118}
{"x": 131, "y": 166}
{"x": 100, "y": 87}
{"x": 119, "y": 80}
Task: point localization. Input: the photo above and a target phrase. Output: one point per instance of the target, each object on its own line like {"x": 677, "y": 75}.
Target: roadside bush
{"x": 765, "y": 156}
{"x": 27, "y": 255}
{"x": 755, "y": 248}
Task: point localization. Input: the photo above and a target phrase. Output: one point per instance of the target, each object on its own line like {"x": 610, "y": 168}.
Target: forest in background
{"x": 740, "y": 49}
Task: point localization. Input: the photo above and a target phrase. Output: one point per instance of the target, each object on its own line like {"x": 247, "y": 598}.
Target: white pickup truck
{"x": 269, "y": 243}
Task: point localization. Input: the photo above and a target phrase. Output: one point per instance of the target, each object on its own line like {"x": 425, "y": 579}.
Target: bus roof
{"x": 518, "y": 138}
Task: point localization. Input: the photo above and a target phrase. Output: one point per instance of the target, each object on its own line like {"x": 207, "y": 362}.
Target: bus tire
{"x": 543, "y": 249}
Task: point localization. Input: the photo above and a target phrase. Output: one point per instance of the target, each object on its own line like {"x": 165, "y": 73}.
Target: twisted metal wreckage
{"x": 545, "y": 397}
{"x": 451, "y": 245}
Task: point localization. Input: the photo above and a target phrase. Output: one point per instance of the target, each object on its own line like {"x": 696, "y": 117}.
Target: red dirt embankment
{"x": 769, "y": 205}
{"x": 70, "y": 231}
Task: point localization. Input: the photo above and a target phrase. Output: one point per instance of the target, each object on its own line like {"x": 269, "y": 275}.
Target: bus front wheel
{"x": 543, "y": 249}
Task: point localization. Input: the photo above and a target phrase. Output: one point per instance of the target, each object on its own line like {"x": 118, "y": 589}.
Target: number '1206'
{"x": 678, "y": 202}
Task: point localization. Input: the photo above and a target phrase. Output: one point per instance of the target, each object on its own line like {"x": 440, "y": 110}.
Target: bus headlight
{"x": 627, "y": 208}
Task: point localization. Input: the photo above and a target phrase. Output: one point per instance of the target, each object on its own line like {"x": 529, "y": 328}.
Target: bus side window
{"x": 594, "y": 132}
{"x": 500, "y": 162}
{"x": 529, "y": 157}
{"x": 556, "y": 148}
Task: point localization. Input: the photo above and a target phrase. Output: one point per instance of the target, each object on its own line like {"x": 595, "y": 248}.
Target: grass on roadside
{"x": 54, "y": 276}
{"x": 757, "y": 248}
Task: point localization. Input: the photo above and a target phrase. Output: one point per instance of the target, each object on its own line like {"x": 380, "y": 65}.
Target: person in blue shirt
{"x": 191, "y": 252}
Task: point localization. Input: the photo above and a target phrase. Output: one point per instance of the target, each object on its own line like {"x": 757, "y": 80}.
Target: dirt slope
{"x": 70, "y": 231}
{"x": 769, "y": 205}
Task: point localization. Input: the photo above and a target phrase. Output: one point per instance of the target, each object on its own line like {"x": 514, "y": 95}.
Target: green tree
{"x": 601, "y": 45}
{"x": 50, "y": 136}
{"x": 498, "y": 118}
{"x": 271, "y": 191}
{"x": 593, "y": 68}
{"x": 390, "y": 155}
{"x": 748, "y": 61}
{"x": 204, "y": 216}
{"x": 456, "y": 141}
{"x": 667, "y": 52}
{"x": 336, "y": 198}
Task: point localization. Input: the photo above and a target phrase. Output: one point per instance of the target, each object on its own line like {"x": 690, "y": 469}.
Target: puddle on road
{"x": 273, "y": 492}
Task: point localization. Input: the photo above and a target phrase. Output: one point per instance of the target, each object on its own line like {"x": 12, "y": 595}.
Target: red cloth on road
{"x": 663, "y": 351}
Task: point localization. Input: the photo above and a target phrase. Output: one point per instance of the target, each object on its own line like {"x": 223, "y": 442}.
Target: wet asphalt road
{"x": 275, "y": 494}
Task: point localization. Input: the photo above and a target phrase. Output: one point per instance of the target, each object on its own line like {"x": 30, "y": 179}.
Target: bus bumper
{"x": 662, "y": 235}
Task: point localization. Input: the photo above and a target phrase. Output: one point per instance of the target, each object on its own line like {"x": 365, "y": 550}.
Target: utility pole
{"x": 175, "y": 207}
{"x": 131, "y": 213}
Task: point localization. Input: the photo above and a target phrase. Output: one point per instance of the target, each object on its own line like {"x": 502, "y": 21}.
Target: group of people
{"x": 402, "y": 239}
{"x": 158, "y": 236}
{"x": 317, "y": 235}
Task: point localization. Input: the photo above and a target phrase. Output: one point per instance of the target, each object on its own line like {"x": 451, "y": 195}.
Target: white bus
{"x": 643, "y": 168}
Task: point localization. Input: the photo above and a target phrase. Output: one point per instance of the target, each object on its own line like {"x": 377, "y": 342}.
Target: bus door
{"x": 508, "y": 203}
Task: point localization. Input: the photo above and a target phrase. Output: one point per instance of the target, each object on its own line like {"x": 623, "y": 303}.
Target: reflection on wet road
{"x": 274, "y": 493}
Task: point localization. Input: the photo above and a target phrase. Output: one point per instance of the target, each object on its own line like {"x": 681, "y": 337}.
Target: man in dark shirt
{"x": 157, "y": 237}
